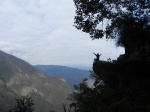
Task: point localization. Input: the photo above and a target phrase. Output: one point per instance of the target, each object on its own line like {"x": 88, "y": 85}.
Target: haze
{"x": 42, "y": 32}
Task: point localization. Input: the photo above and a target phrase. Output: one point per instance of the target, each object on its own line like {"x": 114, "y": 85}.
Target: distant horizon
{"x": 38, "y": 33}
{"x": 71, "y": 66}
{"x": 83, "y": 67}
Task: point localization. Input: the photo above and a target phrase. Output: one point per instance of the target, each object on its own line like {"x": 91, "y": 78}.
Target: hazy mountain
{"x": 18, "y": 78}
{"x": 71, "y": 75}
{"x": 83, "y": 67}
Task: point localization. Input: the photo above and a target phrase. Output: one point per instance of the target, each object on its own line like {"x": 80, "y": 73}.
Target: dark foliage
{"x": 24, "y": 104}
{"x": 118, "y": 87}
{"x": 121, "y": 85}
{"x": 125, "y": 21}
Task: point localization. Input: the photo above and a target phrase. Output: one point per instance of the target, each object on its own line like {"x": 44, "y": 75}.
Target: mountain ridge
{"x": 19, "y": 78}
{"x": 71, "y": 75}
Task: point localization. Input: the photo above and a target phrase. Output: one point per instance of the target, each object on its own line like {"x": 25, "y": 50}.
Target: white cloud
{"x": 42, "y": 32}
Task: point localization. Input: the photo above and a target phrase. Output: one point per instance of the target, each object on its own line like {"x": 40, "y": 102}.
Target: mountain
{"x": 83, "y": 67}
{"x": 19, "y": 78}
{"x": 71, "y": 75}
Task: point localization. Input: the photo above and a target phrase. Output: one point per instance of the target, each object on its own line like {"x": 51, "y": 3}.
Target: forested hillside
{"x": 71, "y": 75}
{"x": 19, "y": 78}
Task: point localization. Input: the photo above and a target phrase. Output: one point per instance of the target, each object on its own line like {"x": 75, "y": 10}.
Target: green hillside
{"x": 19, "y": 78}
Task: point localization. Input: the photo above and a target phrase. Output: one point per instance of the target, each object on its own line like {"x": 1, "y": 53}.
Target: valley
{"x": 19, "y": 78}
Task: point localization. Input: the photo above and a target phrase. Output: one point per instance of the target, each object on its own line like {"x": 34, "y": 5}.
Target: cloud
{"x": 14, "y": 49}
{"x": 42, "y": 32}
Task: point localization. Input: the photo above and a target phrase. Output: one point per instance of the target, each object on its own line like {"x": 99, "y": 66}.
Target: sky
{"x": 42, "y": 32}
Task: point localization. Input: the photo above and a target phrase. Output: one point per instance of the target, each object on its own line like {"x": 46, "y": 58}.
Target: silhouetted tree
{"x": 120, "y": 86}
{"x": 84, "y": 98}
{"x": 125, "y": 21}
{"x": 24, "y": 104}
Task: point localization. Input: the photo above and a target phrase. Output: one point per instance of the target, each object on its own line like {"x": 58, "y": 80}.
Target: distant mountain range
{"x": 82, "y": 67}
{"x": 19, "y": 78}
{"x": 71, "y": 75}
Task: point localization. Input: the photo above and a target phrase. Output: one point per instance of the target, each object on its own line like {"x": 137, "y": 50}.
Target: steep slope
{"x": 71, "y": 75}
{"x": 18, "y": 78}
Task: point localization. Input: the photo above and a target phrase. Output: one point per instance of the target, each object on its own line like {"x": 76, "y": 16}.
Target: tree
{"x": 120, "y": 86}
{"x": 125, "y": 21}
{"x": 82, "y": 98}
{"x": 24, "y": 104}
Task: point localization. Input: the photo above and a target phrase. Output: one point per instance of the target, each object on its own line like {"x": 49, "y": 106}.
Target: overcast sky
{"x": 42, "y": 32}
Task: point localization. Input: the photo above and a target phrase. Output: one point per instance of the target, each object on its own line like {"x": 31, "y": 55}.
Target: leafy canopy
{"x": 121, "y": 85}
{"x": 113, "y": 19}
